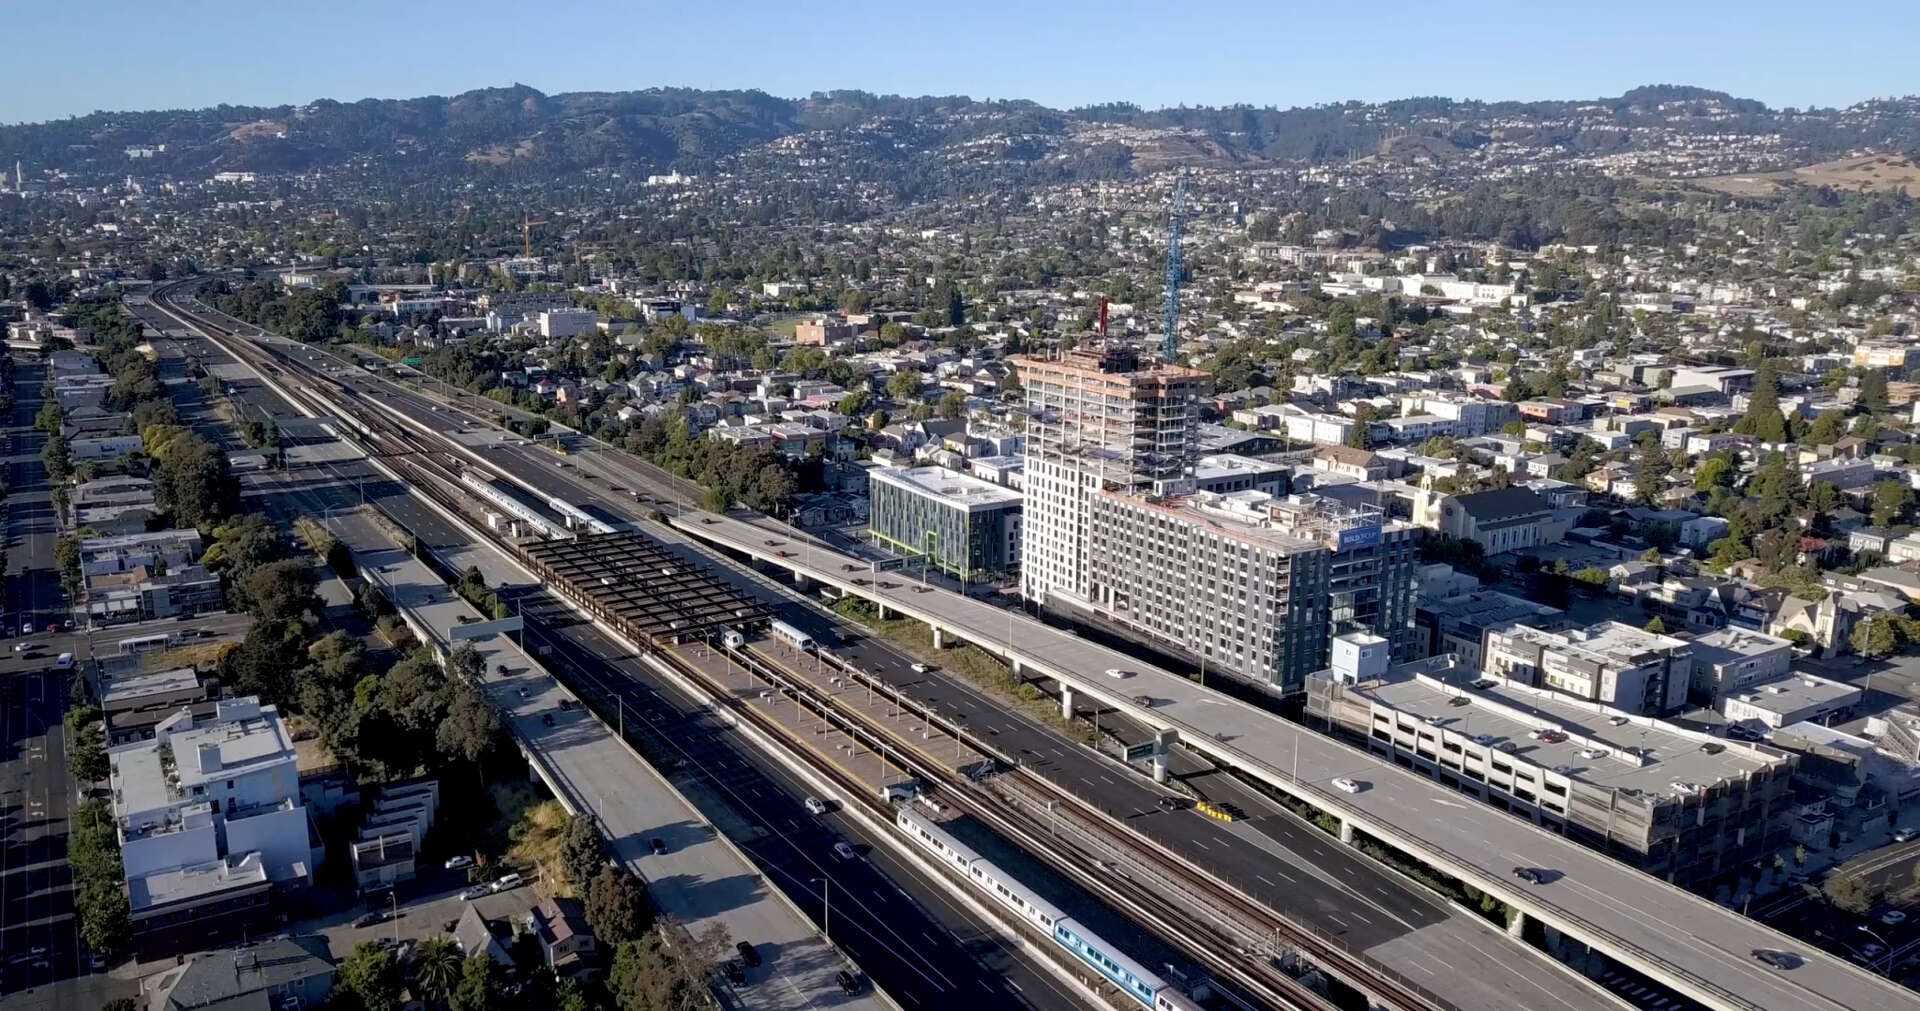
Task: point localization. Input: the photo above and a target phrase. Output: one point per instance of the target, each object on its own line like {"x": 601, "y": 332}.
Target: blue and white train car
{"x": 1094, "y": 952}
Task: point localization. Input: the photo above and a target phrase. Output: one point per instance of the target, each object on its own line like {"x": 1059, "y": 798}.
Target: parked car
{"x": 658, "y": 846}
{"x": 1893, "y": 917}
{"x": 368, "y": 919}
{"x": 747, "y": 954}
{"x": 459, "y": 863}
{"x": 511, "y": 879}
{"x": 476, "y": 892}
{"x": 1899, "y": 835}
{"x": 736, "y": 975}
{"x": 849, "y": 983}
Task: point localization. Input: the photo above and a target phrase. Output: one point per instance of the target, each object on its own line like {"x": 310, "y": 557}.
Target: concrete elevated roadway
{"x": 1698, "y": 948}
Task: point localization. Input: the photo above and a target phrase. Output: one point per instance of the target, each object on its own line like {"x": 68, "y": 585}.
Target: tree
{"x": 1823, "y": 497}
{"x": 88, "y": 761}
{"x": 1763, "y": 419}
{"x": 953, "y": 404}
{"x": 1847, "y": 893}
{"x": 582, "y": 851}
{"x": 1655, "y": 625}
{"x": 904, "y": 385}
{"x": 1873, "y": 390}
{"x": 281, "y": 591}
{"x": 855, "y": 404}
{"x": 1361, "y": 436}
{"x": 1874, "y": 637}
{"x": 616, "y": 906}
{"x": 191, "y": 480}
{"x": 55, "y": 457}
{"x": 470, "y": 726}
{"x": 482, "y": 987}
{"x": 437, "y": 962}
{"x": 1714, "y": 472}
{"x": 370, "y": 978}
{"x": 1890, "y": 501}
{"x": 1828, "y": 427}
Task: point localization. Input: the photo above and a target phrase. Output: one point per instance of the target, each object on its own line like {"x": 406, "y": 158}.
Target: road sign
{"x": 891, "y": 564}
{"x": 1142, "y": 752}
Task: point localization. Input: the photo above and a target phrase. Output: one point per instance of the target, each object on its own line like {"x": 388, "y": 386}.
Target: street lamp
{"x": 1887, "y": 962}
{"x": 826, "y": 911}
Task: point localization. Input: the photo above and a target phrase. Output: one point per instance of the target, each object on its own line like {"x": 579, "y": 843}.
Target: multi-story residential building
{"x": 1611, "y": 663}
{"x": 1224, "y": 473}
{"x": 1885, "y": 355}
{"x": 1729, "y": 660}
{"x": 567, "y": 322}
{"x": 1254, "y": 585}
{"x": 210, "y": 823}
{"x": 1098, "y": 417}
{"x": 1681, "y": 805}
{"x": 959, "y": 524}
{"x": 1471, "y": 416}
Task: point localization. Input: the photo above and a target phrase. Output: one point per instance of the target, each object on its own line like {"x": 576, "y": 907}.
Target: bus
{"x": 792, "y": 636}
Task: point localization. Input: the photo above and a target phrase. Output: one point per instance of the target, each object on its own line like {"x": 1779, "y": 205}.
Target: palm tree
{"x": 437, "y": 962}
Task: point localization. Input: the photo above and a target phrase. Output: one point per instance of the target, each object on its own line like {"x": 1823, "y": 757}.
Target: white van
{"x": 63, "y": 662}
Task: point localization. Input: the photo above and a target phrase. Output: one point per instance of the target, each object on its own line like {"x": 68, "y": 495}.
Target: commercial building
{"x": 1683, "y": 806}
{"x": 210, "y": 824}
{"x": 1253, "y": 585}
{"x": 1782, "y": 702}
{"x": 960, "y": 524}
{"x": 1099, "y": 417}
{"x": 1458, "y": 623}
{"x": 1610, "y": 663}
{"x": 143, "y": 577}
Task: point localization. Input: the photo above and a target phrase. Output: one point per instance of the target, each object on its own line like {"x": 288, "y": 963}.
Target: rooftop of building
{"x": 1731, "y": 645}
{"x": 951, "y": 487}
{"x": 1581, "y": 740}
{"x": 217, "y": 977}
{"x": 195, "y": 882}
{"x": 1226, "y": 464}
{"x": 1611, "y": 642}
{"x": 1795, "y": 693}
{"x": 1501, "y": 503}
{"x": 1492, "y": 609}
{"x": 133, "y": 692}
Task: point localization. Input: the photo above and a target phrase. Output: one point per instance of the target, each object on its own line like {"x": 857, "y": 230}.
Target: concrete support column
{"x": 1346, "y": 832}
{"x": 886, "y": 613}
{"x": 1066, "y": 703}
{"x": 1516, "y": 924}
{"x": 801, "y": 582}
{"x": 1159, "y": 767}
{"x": 939, "y": 638}
{"x": 1019, "y": 669}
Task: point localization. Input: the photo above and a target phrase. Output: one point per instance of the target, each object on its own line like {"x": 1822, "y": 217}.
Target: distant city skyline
{"x": 67, "y": 60}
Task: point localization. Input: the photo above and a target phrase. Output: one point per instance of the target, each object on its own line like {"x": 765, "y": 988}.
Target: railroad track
{"x": 1229, "y": 953}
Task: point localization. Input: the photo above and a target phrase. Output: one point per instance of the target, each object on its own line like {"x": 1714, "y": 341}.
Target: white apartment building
{"x": 557, "y": 323}
{"x": 1098, "y": 417}
{"x": 210, "y": 822}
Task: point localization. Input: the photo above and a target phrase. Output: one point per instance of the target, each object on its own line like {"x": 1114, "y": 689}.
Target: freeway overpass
{"x": 1696, "y": 947}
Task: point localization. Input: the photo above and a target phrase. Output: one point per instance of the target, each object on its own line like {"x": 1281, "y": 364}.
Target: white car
{"x": 506, "y": 881}
{"x": 1899, "y": 835}
{"x": 1345, "y": 785}
{"x": 921, "y": 668}
{"x": 1892, "y": 917}
{"x": 459, "y": 863}
{"x": 1117, "y": 674}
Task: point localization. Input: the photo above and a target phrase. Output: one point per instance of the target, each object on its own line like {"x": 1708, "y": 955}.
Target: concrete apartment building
{"x": 144, "y": 577}
{"x": 1610, "y": 663}
{"x": 1254, "y": 584}
{"x": 1099, "y": 417}
{"x": 1731, "y": 660}
{"x": 1683, "y": 806}
{"x": 211, "y": 825}
{"x": 962, "y": 525}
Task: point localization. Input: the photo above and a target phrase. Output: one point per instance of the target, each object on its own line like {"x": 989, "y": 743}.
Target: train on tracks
{"x": 1087, "y": 947}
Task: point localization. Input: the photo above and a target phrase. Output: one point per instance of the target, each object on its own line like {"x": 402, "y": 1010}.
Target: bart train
{"x": 1135, "y": 979}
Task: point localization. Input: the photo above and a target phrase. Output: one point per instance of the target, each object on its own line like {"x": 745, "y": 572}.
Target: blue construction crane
{"x": 1169, "y": 342}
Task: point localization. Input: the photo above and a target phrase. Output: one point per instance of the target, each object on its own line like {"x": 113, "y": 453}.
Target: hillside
{"x": 518, "y": 127}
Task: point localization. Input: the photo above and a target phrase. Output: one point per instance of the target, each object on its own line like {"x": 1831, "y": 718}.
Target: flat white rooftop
{"x": 951, "y": 487}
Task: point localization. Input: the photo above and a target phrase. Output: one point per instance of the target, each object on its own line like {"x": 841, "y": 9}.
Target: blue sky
{"x": 71, "y": 58}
